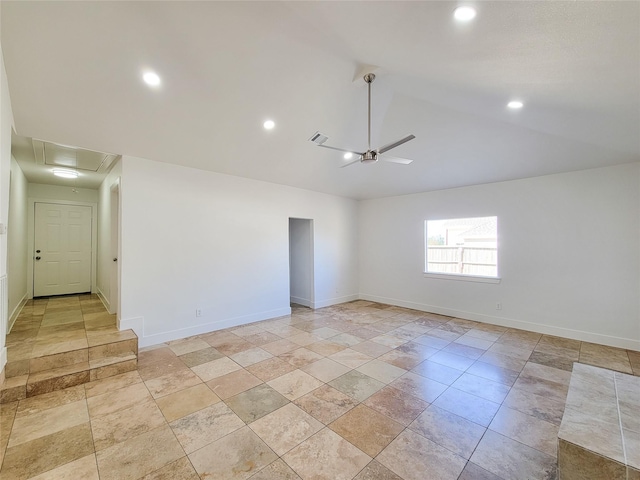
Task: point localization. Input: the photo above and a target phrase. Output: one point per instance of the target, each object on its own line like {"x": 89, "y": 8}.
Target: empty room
{"x": 282, "y": 240}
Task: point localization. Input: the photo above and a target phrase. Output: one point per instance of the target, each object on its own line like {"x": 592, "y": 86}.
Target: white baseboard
{"x": 146, "y": 340}
{"x": 16, "y": 312}
{"x": 512, "y": 323}
{"x": 104, "y": 300}
{"x": 3, "y": 358}
{"x": 335, "y": 301}
{"x": 302, "y": 301}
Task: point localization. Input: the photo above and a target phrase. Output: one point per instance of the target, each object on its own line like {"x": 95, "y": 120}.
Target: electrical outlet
{"x": 198, "y": 312}
{"x": 498, "y": 306}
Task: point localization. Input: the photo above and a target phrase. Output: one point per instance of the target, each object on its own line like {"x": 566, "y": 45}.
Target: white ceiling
{"x": 74, "y": 71}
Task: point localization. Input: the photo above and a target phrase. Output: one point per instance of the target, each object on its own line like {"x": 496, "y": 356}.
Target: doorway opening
{"x": 301, "y": 277}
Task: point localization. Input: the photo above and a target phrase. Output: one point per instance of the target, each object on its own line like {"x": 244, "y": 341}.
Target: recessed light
{"x": 464, "y": 14}
{"x": 269, "y": 124}
{"x": 348, "y": 156}
{"x": 515, "y": 104}
{"x": 151, "y": 78}
{"x": 61, "y": 172}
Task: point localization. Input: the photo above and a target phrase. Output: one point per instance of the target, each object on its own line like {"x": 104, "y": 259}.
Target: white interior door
{"x": 62, "y": 253}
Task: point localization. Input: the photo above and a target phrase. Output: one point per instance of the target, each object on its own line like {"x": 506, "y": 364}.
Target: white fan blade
{"x": 342, "y": 150}
{"x": 389, "y": 146}
{"x": 351, "y": 162}
{"x": 403, "y": 161}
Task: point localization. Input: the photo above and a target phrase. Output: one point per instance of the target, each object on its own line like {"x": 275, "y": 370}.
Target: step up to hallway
{"x": 61, "y": 342}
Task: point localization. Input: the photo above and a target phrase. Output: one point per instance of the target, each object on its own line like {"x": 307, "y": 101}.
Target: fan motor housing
{"x": 369, "y": 157}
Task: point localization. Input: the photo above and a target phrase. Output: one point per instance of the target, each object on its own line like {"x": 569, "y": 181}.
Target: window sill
{"x": 462, "y": 278}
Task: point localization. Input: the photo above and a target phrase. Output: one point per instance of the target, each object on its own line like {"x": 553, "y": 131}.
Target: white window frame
{"x": 452, "y": 276}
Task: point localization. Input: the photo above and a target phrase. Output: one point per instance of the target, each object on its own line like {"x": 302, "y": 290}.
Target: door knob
{"x": 37, "y": 258}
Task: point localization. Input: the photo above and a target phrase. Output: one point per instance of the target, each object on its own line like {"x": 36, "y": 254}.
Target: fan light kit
{"x": 151, "y": 78}
{"x": 371, "y": 155}
{"x": 61, "y": 172}
{"x": 515, "y": 104}
{"x": 464, "y": 14}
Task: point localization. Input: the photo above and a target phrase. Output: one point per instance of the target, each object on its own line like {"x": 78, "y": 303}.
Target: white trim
{"x": 462, "y": 278}
{"x": 513, "y": 323}
{"x": 137, "y": 325}
{"x": 103, "y": 299}
{"x": 16, "y": 312}
{"x": 302, "y": 301}
{"x": 334, "y": 301}
{"x": 31, "y": 232}
{"x": 3, "y": 360}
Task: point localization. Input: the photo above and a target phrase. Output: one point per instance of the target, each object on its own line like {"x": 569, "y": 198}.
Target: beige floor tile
{"x": 503, "y": 361}
{"x": 357, "y": 385}
{"x": 539, "y": 406}
{"x": 171, "y": 383}
{"x": 256, "y": 402}
{"x": 326, "y": 455}
{"x": 277, "y": 470}
{"x": 410, "y": 455}
{"x": 419, "y": 386}
{"x": 251, "y": 356}
{"x": 397, "y": 405}
{"x": 547, "y": 373}
{"x": 493, "y": 372}
{"x": 300, "y": 357}
{"x": 46, "y": 453}
{"x": 381, "y": 371}
{"x": 119, "y": 426}
{"x": 85, "y": 468}
{"x": 205, "y": 426}
{"x": 376, "y": 471}
{"x": 111, "y": 384}
{"x": 350, "y": 358}
{"x": 510, "y": 459}
{"x": 215, "y": 368}
{"x": 295, "y": 384}
{"x": 118, "y": 399}
{"x": 471, "y": 407}
{"x": 325, "y": 369}
{"x": 372, "y": 349}
{"x": 437, "y": 371}
{"x": 149, "y": 356}
{"x": 233, "y": 383}
{"x": 270, "y": 369}
{"x": 30, "y": 427}
{"x": 540, "y": 386}
{"x": 187, "y": 401}
{"x": 367, "y": 429}
{"x": 526, "y": 429}
{"x": 189, "y": 345}
{"x": 285, "y": 428}
{"x": 278, "y": 347}
{"x": 605, "y": 357}
{"x": 326, "y": 347}
{"x": 39, "y": 403}
{"x": 181, "y": 469}
{"x": 239, "y": 455}
{"x": 451, "y": 360}
{"x": 449, "y": 430}
{"x": 161, "y": 367}
{"x": 140, "y": 455}
{"x": 199, "y": 357}
{"x": 473, "y": 472}
{"x": 326, "y": 403}
{"x": 482, "y": 387}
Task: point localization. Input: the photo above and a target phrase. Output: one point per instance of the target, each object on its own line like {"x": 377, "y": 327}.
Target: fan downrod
{"x": 369, "y": 77}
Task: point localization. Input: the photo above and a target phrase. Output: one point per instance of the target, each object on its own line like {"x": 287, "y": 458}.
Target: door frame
{"x": 309, "y": 256}
{"x": 114, "y": 273}
{"x": 31, "y": 214}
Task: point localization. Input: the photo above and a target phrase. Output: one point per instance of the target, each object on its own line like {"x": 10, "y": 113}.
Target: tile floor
{"x": 355, "y": 391}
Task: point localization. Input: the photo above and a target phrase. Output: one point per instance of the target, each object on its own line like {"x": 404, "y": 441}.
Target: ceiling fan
{"x": 371, "y": 155}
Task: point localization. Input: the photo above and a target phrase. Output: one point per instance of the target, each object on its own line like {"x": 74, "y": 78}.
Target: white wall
{"x": 569, "y": 254}
{"x": 301, "y": 261}
{"x": 193, "y": 239}
{"x": 17, "y": 242}
{"x": 105, "y": 260}
{"x": 39, "y": 191}
{"x": 6, "y": 126}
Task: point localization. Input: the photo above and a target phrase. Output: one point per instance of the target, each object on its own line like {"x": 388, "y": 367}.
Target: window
{"x": 462, "y": 246}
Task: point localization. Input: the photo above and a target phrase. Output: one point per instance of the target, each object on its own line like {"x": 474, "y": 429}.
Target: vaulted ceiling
{"x": 75, "y": 68}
